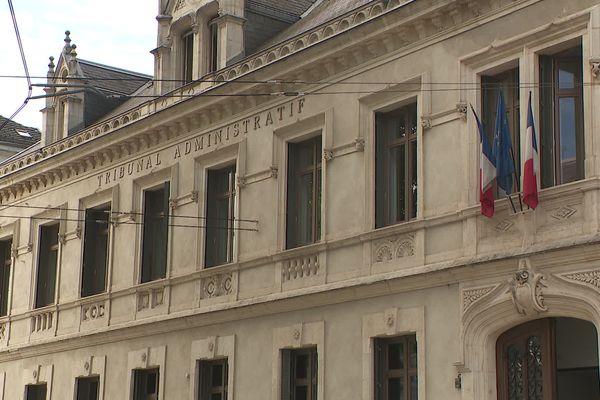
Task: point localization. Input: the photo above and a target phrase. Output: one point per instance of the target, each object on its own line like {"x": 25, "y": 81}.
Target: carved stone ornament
{"x": 180, "y": 4}
{"x": 389, "y": 249}
{"x": 595, "y": 65}
{"x": 591, "y": 278}
{"x": 470, "y": 296}
{"x": 217, "y": 285}
{"x": 461, "y": 109}
{"x": 526, "y": 288}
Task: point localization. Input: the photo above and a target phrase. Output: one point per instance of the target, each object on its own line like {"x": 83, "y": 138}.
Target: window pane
{"x": 302, "y": 366}
{"x": 95, "y": 252}
{"x": 220, "y": 214}
{"x": 566, "y": 76}
{"x": 5, "y": 263}
{"x": 47, "y": 260}
{"x": 413, "y": 179}
{"x": 396, "y": 389}
{"x": 414, "y": 388}
{"x": 568, "y": 144}
{"x": 217, "y": 375}
{"x": 412, "y": 345}
{"x": 155, "y": 241}
{"x": 87, "y": 388}
{"x": 36, "y": 392}
{"x": 396, "y": 356}
{"x": 216, "y": 396}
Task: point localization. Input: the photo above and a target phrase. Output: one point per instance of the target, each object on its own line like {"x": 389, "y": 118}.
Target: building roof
{"x": 284, "y": 10}
{"x": 17, "y": 135}
{"x": 323, "y": 11}
{"x": 110, "y": 80}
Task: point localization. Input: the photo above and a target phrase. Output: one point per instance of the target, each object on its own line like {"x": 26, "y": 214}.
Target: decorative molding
{"x": 92, "y": 312}
{"x": 461, "y": 109}
{"x": 42, "y": 321}
{"x": 472, "y": 295}
{"x": 526, "y": 288}
{"x": 588, "y": 278}
{"x": 180, "y": 4}
{"x": 300, "y": 267}
{"x": 425, "y": 122}
{"x": 150, "y": 298}
{"x": 563, "y": 213}
{"x": 595, "y": 66}
{"x": 396, "y": 248}
{"x": 217, "y": 285}
{"x": 504, "y": 226}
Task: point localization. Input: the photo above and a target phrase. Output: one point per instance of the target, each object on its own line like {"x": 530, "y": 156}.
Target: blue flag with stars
{"x": 501, "y": 148}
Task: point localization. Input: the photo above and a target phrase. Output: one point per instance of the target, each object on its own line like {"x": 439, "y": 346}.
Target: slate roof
{"x": 111, "y": 80}
{"x": 284, "y": 10}
{"x": 324, "y": 11}
{"x": 9, "y": 134}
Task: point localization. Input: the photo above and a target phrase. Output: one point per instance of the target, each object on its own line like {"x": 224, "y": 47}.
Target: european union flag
{"x": 501, "y": 148}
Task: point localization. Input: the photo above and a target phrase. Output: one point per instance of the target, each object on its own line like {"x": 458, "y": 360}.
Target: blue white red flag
{"x": 501, "y": 149}
{"x": 531, "y": 167}
{"x": 487, "y": 172}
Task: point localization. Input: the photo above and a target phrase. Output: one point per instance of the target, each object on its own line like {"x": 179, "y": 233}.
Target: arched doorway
{"x": 548, "y": 359}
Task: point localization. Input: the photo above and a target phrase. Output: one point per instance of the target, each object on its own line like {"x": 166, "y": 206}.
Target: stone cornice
{"x": 403, "y": 27}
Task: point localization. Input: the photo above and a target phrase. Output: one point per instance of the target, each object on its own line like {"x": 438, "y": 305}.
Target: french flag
{"x": 487, "y": 172}
{"x": 531, "y": 168}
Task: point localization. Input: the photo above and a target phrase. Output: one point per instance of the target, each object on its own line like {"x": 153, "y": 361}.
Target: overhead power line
{"x": 20, "y": 44}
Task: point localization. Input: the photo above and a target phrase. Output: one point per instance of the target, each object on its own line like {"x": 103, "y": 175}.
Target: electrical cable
{"x": 20, "y": 43}
{"x": 4, "y": 207}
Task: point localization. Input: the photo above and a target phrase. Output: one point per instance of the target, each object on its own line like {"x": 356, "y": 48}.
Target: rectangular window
{"x": 508, "y": 83}
{"x": 395, "y": 166}
{"x": 299, "y": 374}
{"x": 35, "y": 392}
{"x": 212, "y": 379}
{"x": 145, "y": 384}
{"x": 304, "y": 193}
{"x": 396, "y": 368}
{"x": 188, "y": 56}
{"x": 213, "y": 54}
{"x": 47, "y": 262}
{"x": 561, "y": 117}
{"x": 87, "y": 388}
{"x": 95, "y": 251}
{"x": 156, "y": 233}
{"x": 5, "y": 263}
{"x": 220, "y": 213}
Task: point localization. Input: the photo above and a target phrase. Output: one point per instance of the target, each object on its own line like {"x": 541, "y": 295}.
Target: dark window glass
{"x": 396, "y": 368}
{"x": 95, "y": 251}
{"x": 561, "y": 118}
{"x": 145, "y": 384}
{"x": 299, "y": 374}
{"x": 304, "y": 193}
{"x": 156, "y": 233}
{"x": 212, "y": 379}
{"x": 220, "y": 213}
{"x": 87, "y": 388}
{"x": 47, "y": 260}
{"x": 35, "y": 392}
{"x": 396, "y": 166}
{"x": 5, "y": 263}
{"x": 188, "y": 56}
{"x": 508, "y": 83}
{"x": 213, "y": 54}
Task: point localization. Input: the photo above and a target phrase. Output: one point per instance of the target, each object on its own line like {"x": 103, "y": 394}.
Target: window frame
{"x": 382, "y": 372}
{"x": 383, "y": 211}
{"x": 289, "y": 379}
{"x": 7, "y": 245}
{"x": 206, "y": 392}
{"x": 231, "y": 196}
{"x": 40, "y": 229}
{"x": 96, "y": 378}
{"x": 136, "y": 376}
{"x": 40, "y": 385}
{"x": 187, "y": 55}
{"x": 164, "y": 185}
{"x": 106, "y": 207}
{"x": 316, "y": 169}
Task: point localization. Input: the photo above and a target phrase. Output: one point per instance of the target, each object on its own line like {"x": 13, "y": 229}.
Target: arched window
{"x": 548, "y": 359}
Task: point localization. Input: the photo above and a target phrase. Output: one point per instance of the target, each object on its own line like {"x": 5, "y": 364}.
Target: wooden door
{"x": 525, "y": 362}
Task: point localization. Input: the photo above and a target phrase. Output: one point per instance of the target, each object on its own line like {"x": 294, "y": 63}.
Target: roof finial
{"x": 67, "y": 42}
{"x": 73, "y": 51}
{"x": 51, "y": 65}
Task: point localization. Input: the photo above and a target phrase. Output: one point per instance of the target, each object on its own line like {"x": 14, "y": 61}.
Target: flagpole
{"x": 517, "y": 178}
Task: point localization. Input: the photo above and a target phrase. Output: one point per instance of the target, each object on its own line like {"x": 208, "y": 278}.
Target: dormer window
{"x": 188, "y": 56}
{"x": 213, "y": 51}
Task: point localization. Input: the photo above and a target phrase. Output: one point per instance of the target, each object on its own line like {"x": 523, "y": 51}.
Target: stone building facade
{"x": 300, "y": 219}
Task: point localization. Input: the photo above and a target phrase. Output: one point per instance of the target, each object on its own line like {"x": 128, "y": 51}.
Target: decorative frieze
{"x": 217, "y": 285}
{"x": 150, "y": 298}
{"x": 92, "y": 312}
{"x": 42, "y": 321}
{"x": 472, "y": 295}
{"x": 396, "y": 248}
{"x": 300, "y": 267}
{"x": 590, "y": 278}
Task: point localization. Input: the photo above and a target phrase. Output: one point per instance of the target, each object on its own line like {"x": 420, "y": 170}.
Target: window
{"x": 561, "y": 117}
{"x": 551, "y": 358}
{"x": 299, "y": 374}
{"x": 35, "y": 392}
{"x": 5, "y": 263}
{"x": 304, "y": 193}
{"x": 95, "y": 251}
{"x": 156, "y": 233}
{"x": 395, "y": 166}
{"x": 212, "y": 378}
{"x": 508, "y": 83}
{"x": 187, "y": 41}
{"x": 47, "y": 262}
{"x": 213, "y": 53}
{"x": 87, "y": 388}
{"x": 396, "y": 368}
{"x": 145, "y": 384}
{"x": 220, "y": 214}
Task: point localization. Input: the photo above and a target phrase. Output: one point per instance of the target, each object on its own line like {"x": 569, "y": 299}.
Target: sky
{"x": 117, "y": 33}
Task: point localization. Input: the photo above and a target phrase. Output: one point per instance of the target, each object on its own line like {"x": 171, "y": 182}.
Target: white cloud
{"x": 117, "y": 33}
